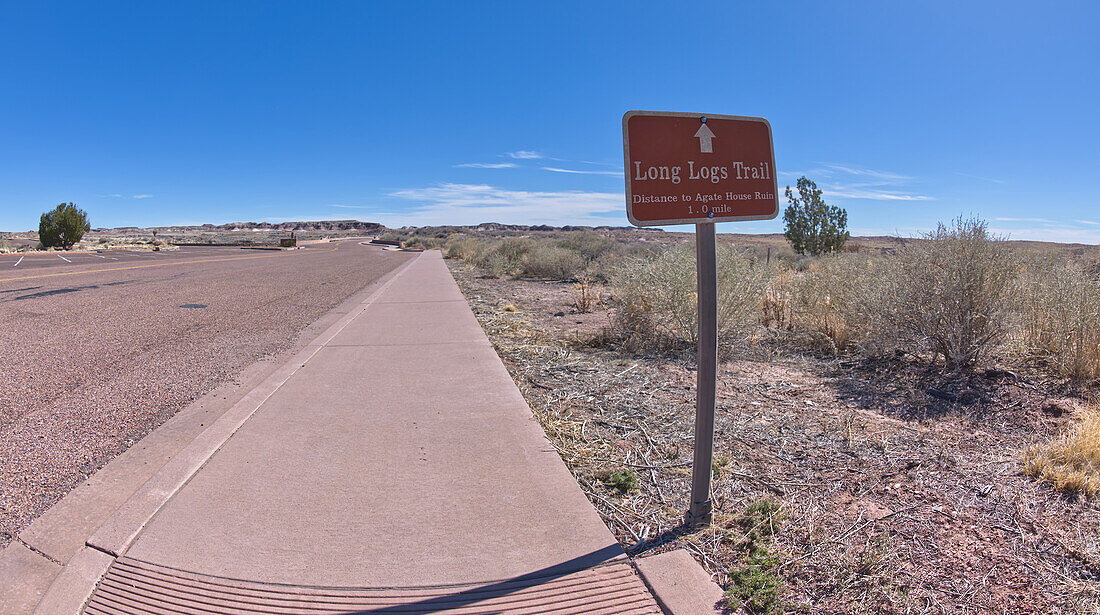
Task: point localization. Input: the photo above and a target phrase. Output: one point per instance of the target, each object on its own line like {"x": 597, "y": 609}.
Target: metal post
{"x": 707, "y": 362}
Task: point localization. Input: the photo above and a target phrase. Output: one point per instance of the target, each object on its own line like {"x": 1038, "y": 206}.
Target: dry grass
{"x": 1059, "y": 309}
{"x": 838, "y": 299}
{"x": 881, "y": 515}
{"x": 1071, "y": 463}
{"x": 658, "y": 302}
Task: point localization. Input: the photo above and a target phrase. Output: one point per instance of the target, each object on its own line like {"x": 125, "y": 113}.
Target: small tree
{"x": 813, "y": 226}
{"x": 63, "y": 227}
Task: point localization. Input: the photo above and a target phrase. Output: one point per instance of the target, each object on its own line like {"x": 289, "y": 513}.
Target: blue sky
{"x": 156, "y": 113}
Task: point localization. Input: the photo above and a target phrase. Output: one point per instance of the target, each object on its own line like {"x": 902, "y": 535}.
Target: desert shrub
{"x": 949, "y": 293}
{"x": 1059, "y": 310}
{"x": 495, "y": 259}
{"x": 839, "y": 299}
{"x": 425, "y": 242}
{"x": 464, "y": 249}
{"x": 1071, "y": 463}
{"x": 393, "y": 236}
{"x": 552, "y": 262}
{"x": 607, "y": 265}
{"x": 658, "y": 302}
{"x": 514, "y": 249}
{"x": 589, "y": 245}
{"x": 493, "y": 264}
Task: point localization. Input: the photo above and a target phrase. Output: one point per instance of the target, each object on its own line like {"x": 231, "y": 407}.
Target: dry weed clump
{"x": 584, "y": 296}
{"x": 1059, "y": 306}
{"x": 1072, "y": 463}
{"x": 776, "y": 311}
{"x": 658, "y": 301}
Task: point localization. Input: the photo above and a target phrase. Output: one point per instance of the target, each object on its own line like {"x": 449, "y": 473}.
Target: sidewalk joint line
{"x": 101, "y": 549}
{"x": 38, "y": 551}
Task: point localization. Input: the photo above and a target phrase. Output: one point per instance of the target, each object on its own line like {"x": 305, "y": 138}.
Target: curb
{"x": 680, "y": 584}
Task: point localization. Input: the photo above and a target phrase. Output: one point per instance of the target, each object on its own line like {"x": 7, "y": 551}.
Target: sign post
{"x": 692, "y": 168}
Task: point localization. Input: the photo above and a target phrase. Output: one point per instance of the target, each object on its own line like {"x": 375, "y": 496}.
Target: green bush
{"x": 756, "y": 585}
{"x": 812, "y": 227}
{"x": 63, "y": 226}
{"x": 622, "y": 480}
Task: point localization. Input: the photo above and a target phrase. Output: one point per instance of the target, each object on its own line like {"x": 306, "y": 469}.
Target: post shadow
{"x": 473, "y": 595}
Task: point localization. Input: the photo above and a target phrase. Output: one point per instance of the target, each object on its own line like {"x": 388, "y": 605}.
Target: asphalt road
{"x": 100, "y": 348}
{"x": 16, "y": 265}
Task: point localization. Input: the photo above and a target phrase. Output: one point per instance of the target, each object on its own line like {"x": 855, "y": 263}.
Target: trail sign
{"x": 686, "y": 168}
{"x": 693, "y": 168}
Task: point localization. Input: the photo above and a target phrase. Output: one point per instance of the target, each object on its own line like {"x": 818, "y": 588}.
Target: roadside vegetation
{"x": 917, "y": 414}
{"x": 63, "y": 226}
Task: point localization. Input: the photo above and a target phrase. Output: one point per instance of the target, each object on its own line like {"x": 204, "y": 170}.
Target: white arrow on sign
{"x": 704, "y": 135}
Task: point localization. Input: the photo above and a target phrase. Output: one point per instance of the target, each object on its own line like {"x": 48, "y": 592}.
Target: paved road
{"x": 101, "y": 348}
{"x": 15, "y": 265}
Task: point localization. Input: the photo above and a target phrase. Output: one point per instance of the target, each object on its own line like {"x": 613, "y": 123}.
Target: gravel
{"x": 92, "y": 362}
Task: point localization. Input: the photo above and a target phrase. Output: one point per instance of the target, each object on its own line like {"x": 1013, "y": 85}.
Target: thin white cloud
{"x": 477, "y": 203}
{"x": 848, "y": 181}
{"x": 882, "y": 176}
{"x": 1030, "y": 220}
{"x": 349, "y": 206}
{"x": 524, "y": 154}
{"x": 576, "y": 172}
{"x": 488, "y": 165}
{"x": 143, "y": 196}
{"x": 1060, "y": 234}
{"x": 1089, "y": 222}
{"x": 855, "y": 192}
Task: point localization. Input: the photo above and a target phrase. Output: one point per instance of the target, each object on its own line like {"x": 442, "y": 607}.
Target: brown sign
{"x": 686, "y": 168}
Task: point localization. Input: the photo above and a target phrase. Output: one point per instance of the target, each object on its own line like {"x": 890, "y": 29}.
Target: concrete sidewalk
{"x": 391, "y": 466}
